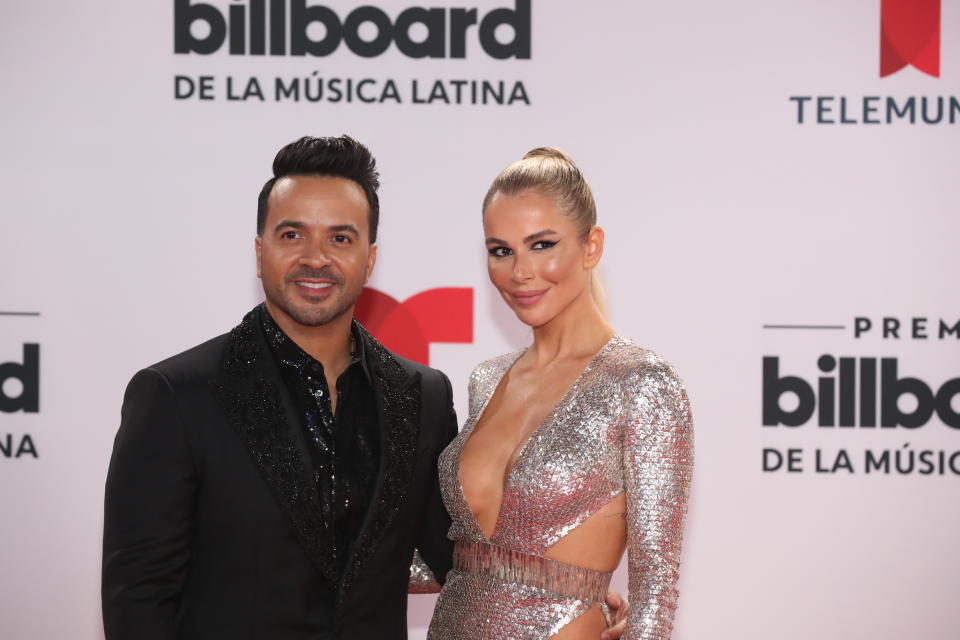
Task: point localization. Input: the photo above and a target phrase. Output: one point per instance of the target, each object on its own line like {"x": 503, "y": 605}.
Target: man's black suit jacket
{"x": 212, "y": 525}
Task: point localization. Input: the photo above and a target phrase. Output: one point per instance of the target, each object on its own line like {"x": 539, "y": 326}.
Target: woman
{"x": 575, "y": 448}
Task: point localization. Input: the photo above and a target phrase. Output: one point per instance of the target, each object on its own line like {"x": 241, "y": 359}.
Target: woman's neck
{"x": 578, "y": 331}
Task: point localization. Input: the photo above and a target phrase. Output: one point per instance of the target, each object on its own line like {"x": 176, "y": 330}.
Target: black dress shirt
{"x": 344, "y": 446}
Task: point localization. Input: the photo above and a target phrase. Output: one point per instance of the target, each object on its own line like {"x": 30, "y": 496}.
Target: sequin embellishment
{"x": 623, "y": 427}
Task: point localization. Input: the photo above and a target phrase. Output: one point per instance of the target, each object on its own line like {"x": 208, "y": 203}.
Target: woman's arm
{"x": 658, "y": 464}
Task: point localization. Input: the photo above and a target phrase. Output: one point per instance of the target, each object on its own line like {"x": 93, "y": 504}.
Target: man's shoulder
{"x": 428, "y": 375}
{"x": 197, "y": 364}
{"x": 385, "y": 359}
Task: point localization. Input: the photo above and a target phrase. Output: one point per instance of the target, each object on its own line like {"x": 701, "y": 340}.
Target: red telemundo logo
{"x": 910, "y": 35}
{"x": 409, "y": 327}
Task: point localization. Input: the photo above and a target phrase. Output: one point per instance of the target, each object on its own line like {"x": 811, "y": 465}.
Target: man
{"x": 275, "y": 482}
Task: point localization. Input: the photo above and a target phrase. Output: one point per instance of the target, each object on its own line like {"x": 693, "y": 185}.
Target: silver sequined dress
{"x": 623, "y": 426}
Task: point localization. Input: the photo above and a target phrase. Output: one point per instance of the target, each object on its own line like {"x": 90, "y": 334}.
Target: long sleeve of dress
{"x": 658, "y": 464}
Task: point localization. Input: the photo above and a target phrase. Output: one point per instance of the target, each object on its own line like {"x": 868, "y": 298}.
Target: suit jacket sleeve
{"x": 435, "y": 557}
{"x": 148, "y": 514}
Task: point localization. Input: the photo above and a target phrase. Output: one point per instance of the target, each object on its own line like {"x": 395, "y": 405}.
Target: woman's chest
{"x": 568, "y": 466}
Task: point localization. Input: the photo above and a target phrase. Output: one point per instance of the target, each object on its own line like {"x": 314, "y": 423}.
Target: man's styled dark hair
{"x": 341, "y": 157}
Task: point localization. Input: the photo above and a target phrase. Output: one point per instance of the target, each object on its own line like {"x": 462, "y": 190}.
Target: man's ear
{"x": 258, "y": 242}
{"x": 371, "y": 262}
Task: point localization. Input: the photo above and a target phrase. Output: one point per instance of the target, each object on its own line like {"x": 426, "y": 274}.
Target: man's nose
{"x": 314, "y": 254}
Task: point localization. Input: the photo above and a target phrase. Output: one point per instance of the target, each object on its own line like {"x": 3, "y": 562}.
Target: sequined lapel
{"x": 263, "y": 418}
{"x": 399, "y": 399}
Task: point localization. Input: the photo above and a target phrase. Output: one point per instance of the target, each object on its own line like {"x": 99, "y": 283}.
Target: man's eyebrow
{"x": 336, "y": 228}
{"x": 348, "y": 228}
{"x": 293, "y": 224}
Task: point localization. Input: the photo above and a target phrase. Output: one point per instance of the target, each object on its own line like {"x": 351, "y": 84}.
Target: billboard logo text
{"x": 253, "y": 27}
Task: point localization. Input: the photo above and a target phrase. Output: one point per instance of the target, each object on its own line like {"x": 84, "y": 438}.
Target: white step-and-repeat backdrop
{"x": 779, "y": 184}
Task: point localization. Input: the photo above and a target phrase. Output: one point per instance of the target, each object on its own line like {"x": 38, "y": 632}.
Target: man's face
{"x": 314, "y": 255}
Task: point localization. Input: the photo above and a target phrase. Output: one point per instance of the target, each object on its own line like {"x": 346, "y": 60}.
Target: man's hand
{"x": 618, "y": 609}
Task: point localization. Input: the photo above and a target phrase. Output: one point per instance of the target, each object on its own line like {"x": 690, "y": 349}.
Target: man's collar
{"x": 286, "y": 349}
{"x": 359, "y": 347}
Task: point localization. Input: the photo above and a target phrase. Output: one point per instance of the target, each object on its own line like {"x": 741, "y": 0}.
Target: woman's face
{"x": 536, "y": 257}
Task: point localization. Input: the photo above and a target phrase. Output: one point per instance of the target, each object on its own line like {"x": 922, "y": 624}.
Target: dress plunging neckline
{"x": 549, "y": 419}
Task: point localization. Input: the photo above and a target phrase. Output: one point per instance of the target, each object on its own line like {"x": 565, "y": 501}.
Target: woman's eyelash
{"x": 539, "y": 245}
{"x": 543, "y": 244}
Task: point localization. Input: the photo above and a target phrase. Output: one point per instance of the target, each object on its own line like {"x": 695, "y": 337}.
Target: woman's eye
{"x": 499, "y": 252}
{"x": 542, "y": 244}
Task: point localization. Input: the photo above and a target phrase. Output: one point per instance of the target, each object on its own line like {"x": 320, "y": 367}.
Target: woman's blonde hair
{"x": 552, "y": 172}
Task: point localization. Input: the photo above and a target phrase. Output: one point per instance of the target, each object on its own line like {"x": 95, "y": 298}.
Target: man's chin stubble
{"x": 317, "y": 318}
